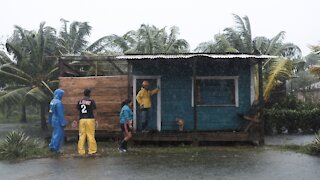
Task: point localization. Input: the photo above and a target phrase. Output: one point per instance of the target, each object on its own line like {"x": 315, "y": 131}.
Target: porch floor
{"x": 176, "y": 136}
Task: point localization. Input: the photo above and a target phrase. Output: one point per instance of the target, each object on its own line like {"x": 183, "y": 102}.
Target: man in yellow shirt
{"x": 144, "y": 101}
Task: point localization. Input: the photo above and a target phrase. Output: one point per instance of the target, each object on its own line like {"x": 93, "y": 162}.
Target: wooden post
{"x": 130, "y": 86}
{"x": 194, "y": 74}
{"x": 96, "y": 73}
{"x": 60, "y": 63}
{"x": 261, "y": 102}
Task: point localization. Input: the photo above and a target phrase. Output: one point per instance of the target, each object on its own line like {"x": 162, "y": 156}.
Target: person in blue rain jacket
{"x": 126, "y": 120}
{"x": 57, "y": 121}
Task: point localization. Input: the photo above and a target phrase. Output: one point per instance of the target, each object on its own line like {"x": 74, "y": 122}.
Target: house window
{"x": 215, "y": 91}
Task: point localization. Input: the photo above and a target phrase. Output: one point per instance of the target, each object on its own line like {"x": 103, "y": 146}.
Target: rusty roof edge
{"x": 167, "y": 56}
{"x": 188, "y": 56}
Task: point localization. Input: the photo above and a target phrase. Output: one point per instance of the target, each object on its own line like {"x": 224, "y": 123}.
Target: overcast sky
{"x": 198, "y": 20}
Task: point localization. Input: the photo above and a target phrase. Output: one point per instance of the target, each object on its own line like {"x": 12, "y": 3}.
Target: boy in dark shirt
{"x": 87, "y": 124}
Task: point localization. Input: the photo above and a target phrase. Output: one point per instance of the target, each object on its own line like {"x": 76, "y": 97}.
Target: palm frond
{"x": 53, "y": 73}
{"x": 223, "y": 45}
{"x": 47, "y": 86}
{"x": 4, "y": 58}
{"x": 315, "y": 70}
{"x": 247, "y": 34}
{"x": 12, "y": 76}
{"x": 14, "y": 50}
{"x": 315, "y": 49}
{"x": 13, "y": 97}
{"x": 234, "y": 38}
{"x": 98, "y": 44}
{"x": 38, "y": 95}
{"x": 291, "y": 51}
{"x": 244, "y": 30}
{"x": 12, "y": 69}
{"x": 274, "y": 44}
{"x": 206, "y": 47}
{"x": 281, "y": 68}
{"x": 261, "y": 44}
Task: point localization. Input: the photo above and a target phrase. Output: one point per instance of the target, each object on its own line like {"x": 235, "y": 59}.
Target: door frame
{"x": 135, "y": 78}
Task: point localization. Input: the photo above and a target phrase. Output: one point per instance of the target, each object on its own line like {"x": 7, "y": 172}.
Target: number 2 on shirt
{"x": 84, "y": 109}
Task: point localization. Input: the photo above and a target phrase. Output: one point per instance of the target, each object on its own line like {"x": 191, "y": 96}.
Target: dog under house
{"x": 202, "y": 97}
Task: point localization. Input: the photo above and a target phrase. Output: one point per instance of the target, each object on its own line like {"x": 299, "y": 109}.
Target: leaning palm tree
{"x": 29, "y": 76}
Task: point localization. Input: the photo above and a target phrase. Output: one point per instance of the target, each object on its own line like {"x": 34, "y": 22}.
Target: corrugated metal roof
{"x": 188, "y": 56}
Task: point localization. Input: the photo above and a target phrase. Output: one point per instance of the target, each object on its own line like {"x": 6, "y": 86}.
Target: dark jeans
{"x": 144, "y": 118}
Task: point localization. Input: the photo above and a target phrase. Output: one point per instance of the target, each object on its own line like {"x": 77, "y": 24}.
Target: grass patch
{"x": 16, "y": 118}
{"x": 311, "y": 149}
{"x": 293, "y": 148}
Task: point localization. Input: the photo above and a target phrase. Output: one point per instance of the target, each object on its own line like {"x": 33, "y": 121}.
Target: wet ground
{"x": 208, "y": 163}
{"x": 5, "y": 128}
{"x": 291, "y": 139}
{"x": 215, "y": 162}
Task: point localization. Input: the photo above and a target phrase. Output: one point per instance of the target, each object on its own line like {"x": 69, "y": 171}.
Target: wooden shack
{"x": 207, "y": 91}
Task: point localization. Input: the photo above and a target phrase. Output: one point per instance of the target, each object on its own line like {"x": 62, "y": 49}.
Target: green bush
{"x": 293, "y": 120}
{"x": 314, "y": 148}
{"x": 293, "y": 115}
{"x": 17, "y": 145}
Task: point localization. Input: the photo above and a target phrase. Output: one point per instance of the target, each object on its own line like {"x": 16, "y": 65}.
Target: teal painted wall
{"x": 176, "y": 92}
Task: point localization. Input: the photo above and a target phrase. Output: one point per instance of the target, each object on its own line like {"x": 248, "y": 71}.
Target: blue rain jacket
{"x": 56, "y": 120}
{"x": 125, "y": 114}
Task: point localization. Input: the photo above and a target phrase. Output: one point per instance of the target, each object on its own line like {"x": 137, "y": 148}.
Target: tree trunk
{"x": 23, "y": 117}
{"x": 43, "y": 111}
{"x": 8, "y": 112}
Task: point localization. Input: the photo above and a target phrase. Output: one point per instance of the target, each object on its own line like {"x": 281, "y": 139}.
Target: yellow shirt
{"x": 143, "y": 97}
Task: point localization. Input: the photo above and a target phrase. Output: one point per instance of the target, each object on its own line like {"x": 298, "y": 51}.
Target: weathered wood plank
{"x": 95, "y": 91}
{"x": 99, "y": 81}
{"x": 101, "y": 107}
{"x": 98, "y": 99}
{"x": 108, "y": 92}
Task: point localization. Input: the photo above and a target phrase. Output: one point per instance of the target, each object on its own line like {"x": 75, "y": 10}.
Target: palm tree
{"x": 219, "y": 45}
{"x": 239, "y": 39}
{"x": 29, "y": 76}
{"x": 148, "y": 39}
{"x": 315, "y": 49}
{"x": 315, "y": 69}
{"x": 240, "y": 36}
{"x": 115, "y": 45}
{"x": 152, "y": 40}
{"x": 73, "y": 39}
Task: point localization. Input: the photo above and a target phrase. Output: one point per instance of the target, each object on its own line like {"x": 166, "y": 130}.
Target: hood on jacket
{"x": 58, "y": 93}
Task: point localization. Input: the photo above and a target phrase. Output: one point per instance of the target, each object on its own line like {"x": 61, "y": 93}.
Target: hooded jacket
{"x": 143, "y": 97}
{"x": 56, "y": 111}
